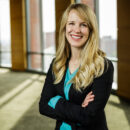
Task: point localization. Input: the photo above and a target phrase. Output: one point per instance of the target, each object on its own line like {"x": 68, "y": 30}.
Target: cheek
{"x": 67, "y": 33}
{"x": 68, "y": 29}
{"x": 86, "y": 33}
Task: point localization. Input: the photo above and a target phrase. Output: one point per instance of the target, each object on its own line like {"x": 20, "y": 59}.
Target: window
{"x": 108, "y": 32}
{"x": 5, "y": 42}
{"x": 40, "y": 34}
{"x": 48, "y": 31}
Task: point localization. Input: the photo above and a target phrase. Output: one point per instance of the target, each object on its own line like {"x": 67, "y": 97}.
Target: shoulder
{"x": 50, "y": 72}
{"x": 51, "y": 64}
{"x": 108, "y": 71}
{"x": 108, "y": 66}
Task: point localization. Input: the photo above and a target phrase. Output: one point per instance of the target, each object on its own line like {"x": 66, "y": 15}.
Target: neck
{"x": 75, "y": 54}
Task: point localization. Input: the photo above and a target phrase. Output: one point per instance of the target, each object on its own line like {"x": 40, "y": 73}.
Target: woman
{"x": 79, "y": 80}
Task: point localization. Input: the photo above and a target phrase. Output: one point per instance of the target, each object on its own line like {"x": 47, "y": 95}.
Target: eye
{"x": 71, "y": 23}
{"x": 84, "y": 24}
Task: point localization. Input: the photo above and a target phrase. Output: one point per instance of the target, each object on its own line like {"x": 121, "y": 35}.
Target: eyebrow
{"x": 74, "y": 21}
{"x": 70, "y": 21}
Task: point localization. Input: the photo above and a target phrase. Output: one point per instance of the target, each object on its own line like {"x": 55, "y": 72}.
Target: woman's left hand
{"x": 88, "y": 98}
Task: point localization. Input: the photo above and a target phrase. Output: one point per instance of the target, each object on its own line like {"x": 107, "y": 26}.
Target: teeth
{"x": 76, "y": 37}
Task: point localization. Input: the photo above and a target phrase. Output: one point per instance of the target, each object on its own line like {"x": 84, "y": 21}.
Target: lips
{"x": 76, "y": 36}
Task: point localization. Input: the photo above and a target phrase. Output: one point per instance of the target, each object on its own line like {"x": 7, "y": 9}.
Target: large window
{"x": 108, "y": 31}
{"x": 40, "y": 34}
{"x": 34, "y": 35}
{"x": 108, "y": 27}
{"x": 48, "y": 31}
{"x": 5, "y": 42}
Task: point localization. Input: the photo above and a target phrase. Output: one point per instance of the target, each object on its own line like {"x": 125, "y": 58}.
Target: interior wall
{"x": 123, "y": 42}
{"x": 18, "y": 34}
{"x": 60, "y": 6}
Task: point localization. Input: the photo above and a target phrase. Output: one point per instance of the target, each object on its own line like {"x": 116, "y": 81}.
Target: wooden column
{"x": 18, "y": 34}
{"x": 123, "y": 43}
{"x": 60, "y": 6}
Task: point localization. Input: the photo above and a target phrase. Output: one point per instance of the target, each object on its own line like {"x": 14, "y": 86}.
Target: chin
{"x": 77, "y": 46}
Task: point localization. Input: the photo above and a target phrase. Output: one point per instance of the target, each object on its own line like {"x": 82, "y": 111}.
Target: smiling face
{"x": 77, "y": 31}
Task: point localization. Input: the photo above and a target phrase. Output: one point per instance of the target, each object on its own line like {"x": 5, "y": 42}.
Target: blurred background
{"x": 28, "y": 35}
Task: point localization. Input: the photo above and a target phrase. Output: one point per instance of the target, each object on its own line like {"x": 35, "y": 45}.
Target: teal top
{"x": 52, "y": 102}
{"x": 67, "y": 84}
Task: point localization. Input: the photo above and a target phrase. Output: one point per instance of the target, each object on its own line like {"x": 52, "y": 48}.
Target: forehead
{"x": 75, "y": 16}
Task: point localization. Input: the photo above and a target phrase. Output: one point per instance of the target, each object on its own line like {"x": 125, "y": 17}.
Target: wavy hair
{"x": 92, "y": 57}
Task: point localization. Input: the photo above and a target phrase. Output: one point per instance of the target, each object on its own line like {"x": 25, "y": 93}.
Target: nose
{"x": 77, "y": 29}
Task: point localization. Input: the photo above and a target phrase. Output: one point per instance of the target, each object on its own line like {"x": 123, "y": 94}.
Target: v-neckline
{"x": 71, "y": 74}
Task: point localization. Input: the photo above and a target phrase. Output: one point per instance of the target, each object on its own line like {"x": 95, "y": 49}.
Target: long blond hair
{"x": 91, "y": 56}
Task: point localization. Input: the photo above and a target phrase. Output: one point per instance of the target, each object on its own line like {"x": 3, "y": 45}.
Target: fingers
{"x": 84, "y": 104}
{"x": 89, "y": 93}
{"x": 89, "y": 98}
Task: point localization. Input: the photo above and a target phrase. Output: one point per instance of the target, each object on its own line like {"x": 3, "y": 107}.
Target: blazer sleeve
{"x": 68, "y": 111}
{"x": 101, "y": 88}
{"x": 48, "y": 92}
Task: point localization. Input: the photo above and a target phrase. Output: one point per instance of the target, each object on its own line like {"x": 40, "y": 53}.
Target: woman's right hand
{"x": 89, "y": 98}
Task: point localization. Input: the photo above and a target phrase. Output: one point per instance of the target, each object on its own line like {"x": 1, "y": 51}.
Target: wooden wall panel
{"x": 60, "y": 6}
{"x": 124, "y": 79}
{"x": 123, "y": 42}
{"x": 18, "y": 34}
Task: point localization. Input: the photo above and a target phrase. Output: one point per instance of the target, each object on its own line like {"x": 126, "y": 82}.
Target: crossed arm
{"x": 67, "y": 111}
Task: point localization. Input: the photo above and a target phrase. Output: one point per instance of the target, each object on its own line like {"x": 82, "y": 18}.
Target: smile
{"x": 76, "y": 37}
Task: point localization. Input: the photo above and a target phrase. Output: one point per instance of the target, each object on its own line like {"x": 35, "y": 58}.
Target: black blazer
{"x": 91, "y": 117}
